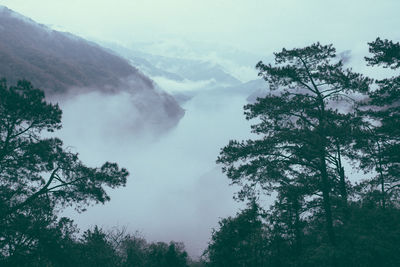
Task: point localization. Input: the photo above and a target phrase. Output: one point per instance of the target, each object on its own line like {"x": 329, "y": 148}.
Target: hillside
{"x": 61, "y": 63}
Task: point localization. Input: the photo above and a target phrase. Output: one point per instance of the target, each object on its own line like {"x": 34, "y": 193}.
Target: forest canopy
{"x": 319, "y": 121}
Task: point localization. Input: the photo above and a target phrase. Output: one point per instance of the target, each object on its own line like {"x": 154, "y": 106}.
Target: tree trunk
{"x": 326, "y": 200}
{"x": 382, "y": 177}
{"x": 326, "y": 187}
{"x": 342, "y": 178}
{"x": 298, "y": 231}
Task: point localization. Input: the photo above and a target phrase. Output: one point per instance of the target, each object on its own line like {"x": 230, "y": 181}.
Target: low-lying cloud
{"x": 175, "y": 191}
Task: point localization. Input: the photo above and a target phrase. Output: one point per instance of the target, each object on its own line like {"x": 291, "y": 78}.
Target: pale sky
{"x": 254, "y": 25}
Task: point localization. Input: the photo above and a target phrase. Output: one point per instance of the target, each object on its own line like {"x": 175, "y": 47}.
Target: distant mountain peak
{"x": 5, "y": 11}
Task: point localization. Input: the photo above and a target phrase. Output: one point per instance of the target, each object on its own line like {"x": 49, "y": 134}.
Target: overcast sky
{"x": 251, "y": 24}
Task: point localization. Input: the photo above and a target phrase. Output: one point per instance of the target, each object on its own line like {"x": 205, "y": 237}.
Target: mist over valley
{"x": 220, "y": 134}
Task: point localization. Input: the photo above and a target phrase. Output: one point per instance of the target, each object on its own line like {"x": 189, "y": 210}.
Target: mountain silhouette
{"x": 61, "y": 63}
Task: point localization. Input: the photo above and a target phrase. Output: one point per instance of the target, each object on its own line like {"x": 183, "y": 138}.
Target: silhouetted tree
{"x": 286, "y": 225}
{"x": 39, "y": 239}
{"x": 368, "y": 238}
{"x": 97, "y": 250}
{"x": 298, "y": 122}
{"x": 133, "y": 250}
{"x": 239, "y": 241}
{"x": 37, "y": 175}
{"x": 380, "y": 142}
{"x": 385, "y": 53}
{"x": 161, "y": 254}
{"x": 309, "y": 125}
{"x": 32, "y": 166}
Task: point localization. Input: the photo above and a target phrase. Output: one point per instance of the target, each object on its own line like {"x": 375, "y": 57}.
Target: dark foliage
{"x": 301, "y": 129}
{"x": 309, "y": 125}
{"x": 384, "y": 52}
{"x": 38, "y": 176}
{"x": 32, "y": 166}
{"x": 240, "y": 241}
{"x": 380, "y": 139}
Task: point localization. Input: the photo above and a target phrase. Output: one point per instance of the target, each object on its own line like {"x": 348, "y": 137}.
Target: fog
{"x": 175, "y": 190}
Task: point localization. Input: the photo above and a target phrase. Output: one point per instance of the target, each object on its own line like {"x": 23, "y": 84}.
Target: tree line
{"x": 39, "y": 177}
{"x": 318, "y": 122}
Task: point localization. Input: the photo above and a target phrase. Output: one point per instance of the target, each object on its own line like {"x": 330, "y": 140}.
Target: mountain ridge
{"x": 61, "y": 63}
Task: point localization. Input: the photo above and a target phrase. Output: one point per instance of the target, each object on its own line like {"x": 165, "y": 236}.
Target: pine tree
{"x": 298, "y": 123}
